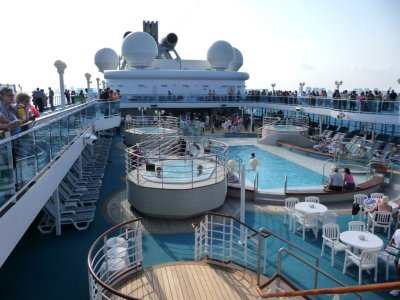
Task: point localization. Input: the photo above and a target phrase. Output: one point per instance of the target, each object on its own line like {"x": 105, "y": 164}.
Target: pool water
{"x": 180, "y": 171}
{"x": 182, "y": 168}
{"x": 288, "y": 127}
{"x": 153, "y": 130}
{"x": 272, "y": 169}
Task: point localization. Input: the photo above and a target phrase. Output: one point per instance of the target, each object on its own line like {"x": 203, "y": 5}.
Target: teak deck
{"x": 190, "y": 280}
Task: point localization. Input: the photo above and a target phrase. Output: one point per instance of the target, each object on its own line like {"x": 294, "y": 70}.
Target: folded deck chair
{"x": 81, "y": 221}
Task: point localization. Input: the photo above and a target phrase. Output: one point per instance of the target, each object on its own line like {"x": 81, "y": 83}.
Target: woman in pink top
{"x": 348, "y": 180}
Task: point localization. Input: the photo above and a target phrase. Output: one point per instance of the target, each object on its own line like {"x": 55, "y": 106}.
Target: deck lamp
{"x": 159, "y": 113}
{"x": 61, "y": 66}
{"x": 338, "y": 84}
{"x": 88, "y": 82}
{"x": 273, "y": 88}
{"x": 142, "y": 109}
{"x": 98, "y": 86}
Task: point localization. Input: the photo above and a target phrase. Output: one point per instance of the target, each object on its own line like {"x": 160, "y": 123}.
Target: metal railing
{"x": 172, "y": 160}
{"x": 343, "y": 104}
{"x": 116, "y": 254}
{"x": 25, "y": 155}
{"x": 224, "y": 239}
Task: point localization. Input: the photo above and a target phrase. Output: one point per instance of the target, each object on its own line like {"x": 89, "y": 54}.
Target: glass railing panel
{"x": 25, "y": 159}
{"x": 114, "y": 108}
{"x": 42, "y": 147}
{"x": 7, "y": 186}
{"x": 72, "y": 127}
{"x": 55, "y": 138}
{"x": 64, "y": 132}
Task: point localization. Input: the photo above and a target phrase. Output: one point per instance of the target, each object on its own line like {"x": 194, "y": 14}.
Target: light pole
{"x": 87, "y": 75}
{"x": 252, "y": 110}
{"x": 103, "y": 83}
{"x": 159, "y": 113}
{"x": 273, "y": 88}
{"x": 61, "y": 66}
{"x": 301, "y": 84}
{"x": 98, "y": 86}
{"x": 338, "y": 84}
{"x": 142, "y": 109}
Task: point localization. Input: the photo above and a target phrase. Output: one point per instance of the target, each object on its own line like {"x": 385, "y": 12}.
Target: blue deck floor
{"x": 54, "y": 267}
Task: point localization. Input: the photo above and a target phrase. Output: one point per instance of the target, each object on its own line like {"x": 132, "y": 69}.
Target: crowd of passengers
{"x": 230, "y": 123}
{"x": 15, "y": 111}
{"x": 364, "y": 101}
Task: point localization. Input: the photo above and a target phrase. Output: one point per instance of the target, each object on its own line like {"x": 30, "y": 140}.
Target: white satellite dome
{"x": 237, "y": 61}
{"x": 220, "y": 55}
{"x": 139, "y": 49}
{"x": 106, "y": 59}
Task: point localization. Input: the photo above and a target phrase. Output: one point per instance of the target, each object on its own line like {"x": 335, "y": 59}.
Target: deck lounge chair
{"x": 80, "y": 220}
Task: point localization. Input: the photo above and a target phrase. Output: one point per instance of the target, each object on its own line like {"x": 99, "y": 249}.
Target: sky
{"x": 282, "y": 41}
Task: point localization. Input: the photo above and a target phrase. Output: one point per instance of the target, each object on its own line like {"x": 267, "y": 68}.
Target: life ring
{"x": 232, "y": 164}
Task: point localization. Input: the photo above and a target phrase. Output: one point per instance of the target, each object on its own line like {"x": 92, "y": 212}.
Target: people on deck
{"x": 8, "y": 114}
{"x": 199, "y": 170}
{"x": 51, "y": 98}
{"x": 335, "y": 180}
{"x": 395, "y": 242}
{"x": 158, "y": 172}
{"x": 322, "y": 146}
{"x": 253, "y": 162}
{"x": 348, "y": 180}
{"x": 23, "y": 108}
{"x": 383, "y": 206}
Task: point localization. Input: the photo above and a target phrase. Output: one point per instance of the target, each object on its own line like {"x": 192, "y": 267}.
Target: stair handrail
{"x": 315, "y": 291}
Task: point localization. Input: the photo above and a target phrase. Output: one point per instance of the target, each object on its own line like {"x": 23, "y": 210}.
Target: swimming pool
{"x": 272, "y": 169}
{"x": 287, "y": 128}
{"x": 153, "y": 130}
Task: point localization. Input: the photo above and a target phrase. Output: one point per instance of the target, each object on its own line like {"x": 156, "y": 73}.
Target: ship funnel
{"x": 170, "y": 41}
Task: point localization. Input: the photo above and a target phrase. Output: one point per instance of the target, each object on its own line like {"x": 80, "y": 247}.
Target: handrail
{"x": 323, "y": 167}
{"x": 269, "y": 233}
{"x": 92, "y": 257}
{"x": 304, "y": 292}
{"x": 356, "y": 289}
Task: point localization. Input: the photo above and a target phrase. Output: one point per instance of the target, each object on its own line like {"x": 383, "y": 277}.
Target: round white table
{"x": 310, "y": 207}
{"x": 370, "y": 241}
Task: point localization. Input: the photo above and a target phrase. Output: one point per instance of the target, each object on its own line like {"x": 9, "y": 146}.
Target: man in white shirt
{"x": 335, "y": 180}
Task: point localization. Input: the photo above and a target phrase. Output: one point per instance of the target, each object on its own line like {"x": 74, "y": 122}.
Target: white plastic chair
{"x": 329, "y": 217}
{"x": 314, "y": 199}
{"x": 289, "y": 209}
{"x": 381, "y": 219}
{"x": 367, "y": 260}
{"x": 357, "y": 226}
{"x": 330, "y": 238}
{"x": 359, "y": 199}
{"x": 307, "y": 221}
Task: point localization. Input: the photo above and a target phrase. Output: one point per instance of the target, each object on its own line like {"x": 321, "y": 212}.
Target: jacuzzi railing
{"x": 150, "y": 121}
{"x": 175, "y": 166}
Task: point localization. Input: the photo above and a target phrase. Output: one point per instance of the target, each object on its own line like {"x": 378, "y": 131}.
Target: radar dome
{"x": 106, "y": 59}
{"x": 237, "y": 61}
{"x": 139, "y": 49}
{"x": 220, "y": 55}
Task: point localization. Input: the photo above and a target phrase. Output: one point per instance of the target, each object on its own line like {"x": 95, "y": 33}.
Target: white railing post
{"x": 242, "y": 201}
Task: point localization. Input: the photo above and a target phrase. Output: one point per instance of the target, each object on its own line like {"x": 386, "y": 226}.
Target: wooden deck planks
{"x": 189, "y": 280}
